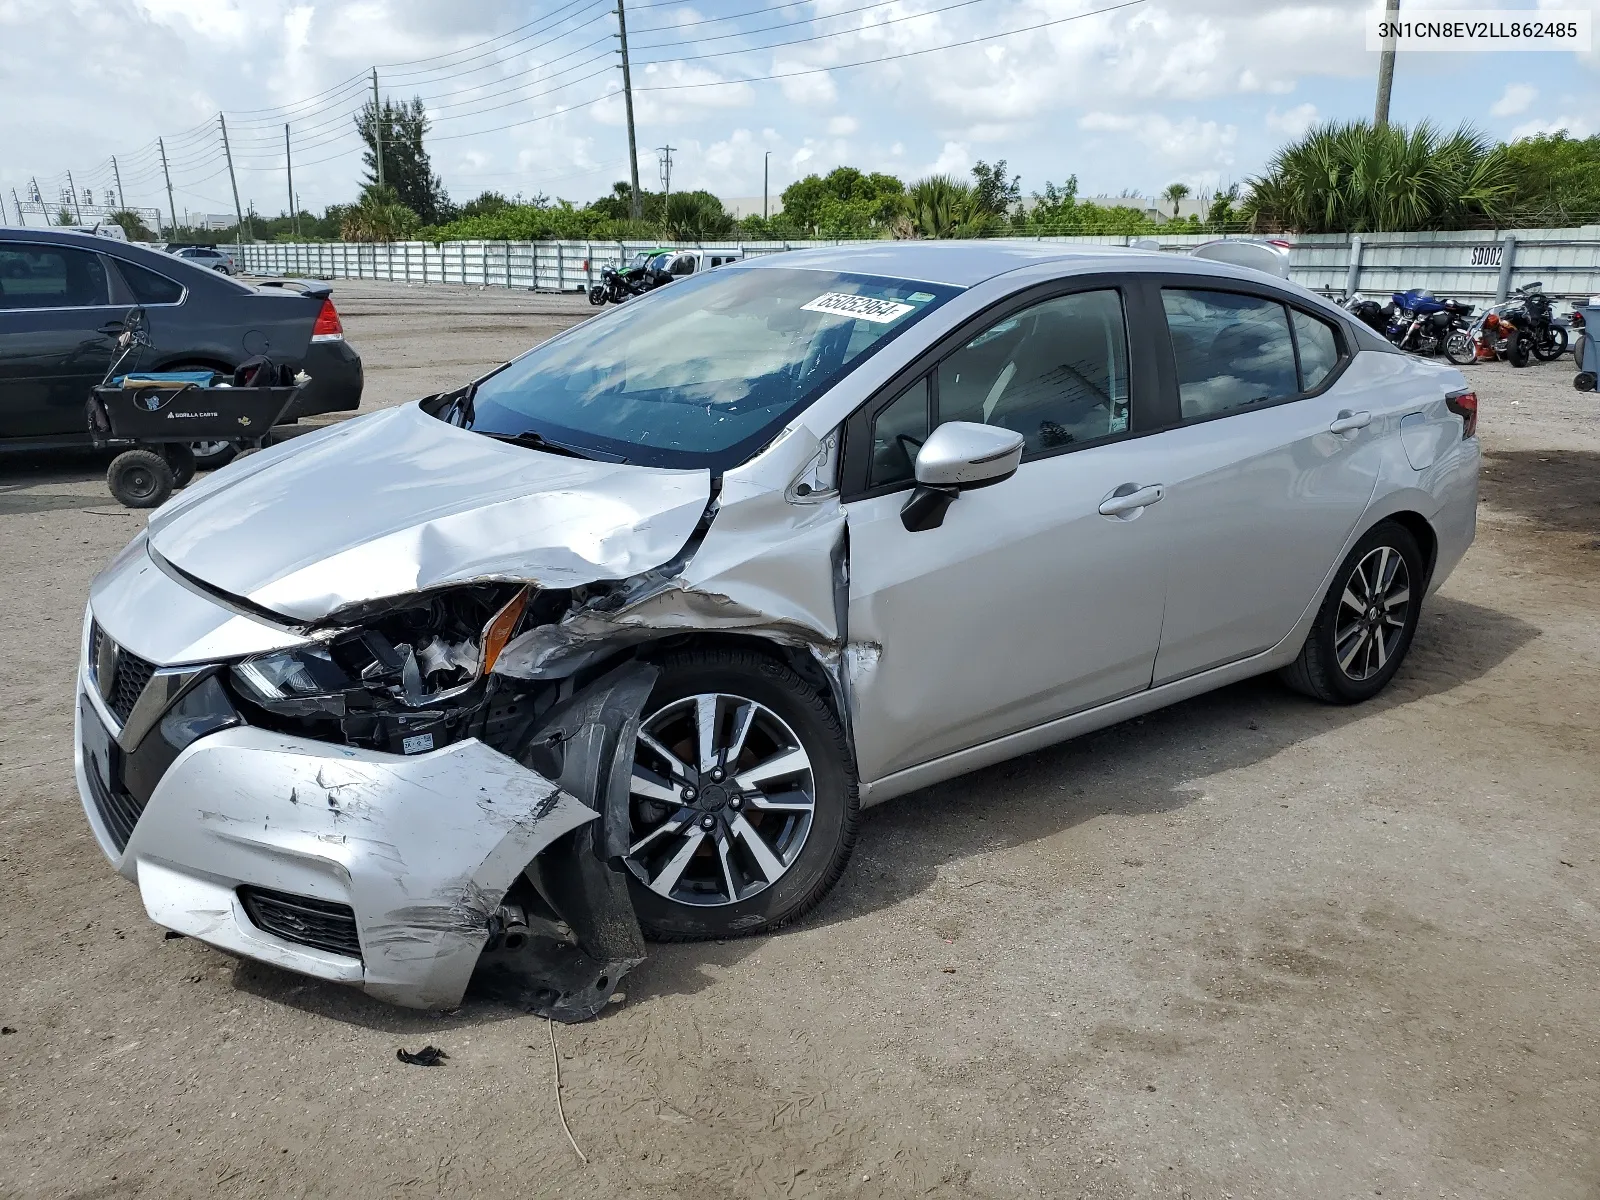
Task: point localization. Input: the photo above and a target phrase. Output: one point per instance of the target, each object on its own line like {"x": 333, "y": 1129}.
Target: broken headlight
{"x": 270, "y": 679}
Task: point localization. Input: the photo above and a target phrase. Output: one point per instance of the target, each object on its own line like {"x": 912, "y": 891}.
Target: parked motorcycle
{"x": 1370, "y": 313}
{"x": 1421, "y": 323}
{"x": 642, "y": 274}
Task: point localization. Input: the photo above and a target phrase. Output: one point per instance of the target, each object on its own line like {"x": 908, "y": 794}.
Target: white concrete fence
{"x": 1478, "y": 265}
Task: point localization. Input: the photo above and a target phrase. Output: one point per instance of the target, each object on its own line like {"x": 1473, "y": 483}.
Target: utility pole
{"x": 635, "y": 206}
{"x": 377, "y": 125}
{"x": 1380, "y": 116}
{"x": 22, "y": 220}
{"x": 666, "y": 173}
{"x": 238, "y": 213}
{"x": 37, "y": 197}
{"x": 288, "y": 165}
{"x": 72, "y": 190}
{"x": 167, "y": 175}
{"x": 121, "y": 203}
{"x": 766, "y": 173}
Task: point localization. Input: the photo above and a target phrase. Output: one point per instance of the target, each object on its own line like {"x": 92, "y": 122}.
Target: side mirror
{"x": 958, "y": 456}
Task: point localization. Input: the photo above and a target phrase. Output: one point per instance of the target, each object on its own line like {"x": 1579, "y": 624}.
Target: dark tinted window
{"x": 148, "y": 287}
{"x": 897, "y": 434}
{"x": 34, "y": 275}
{"x": 1057, "y": 373}
{"x": 1319, "y": 349}
{"x": 1232, "y": 351}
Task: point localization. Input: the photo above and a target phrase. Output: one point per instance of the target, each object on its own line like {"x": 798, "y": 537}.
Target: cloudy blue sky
{"x": 526, "y": 97}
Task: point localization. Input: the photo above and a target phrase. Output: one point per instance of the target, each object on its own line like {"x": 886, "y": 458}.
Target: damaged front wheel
{"x": 743, "y": 806}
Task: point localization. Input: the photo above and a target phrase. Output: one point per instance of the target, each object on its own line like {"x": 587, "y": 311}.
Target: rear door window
{"x": 1318, "y": 346}
{"x": 1233, "y": 351}
{"x": 148, "y": 287}
{"x": 36, "y": 275}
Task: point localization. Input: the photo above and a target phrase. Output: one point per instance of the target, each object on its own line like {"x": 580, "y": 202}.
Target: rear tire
{"x": 140, "y": 479}
{"x": 1354, "y": 649}
{"x": 1518, "y": 353}
{"x": 775, "y": 846}
{"x": 181, "y": 459}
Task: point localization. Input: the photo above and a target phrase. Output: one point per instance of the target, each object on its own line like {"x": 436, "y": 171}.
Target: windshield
{"x": 700, "y": 374}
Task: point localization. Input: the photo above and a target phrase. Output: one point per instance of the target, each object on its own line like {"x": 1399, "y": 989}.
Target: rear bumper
{"x": 336, "y": 380}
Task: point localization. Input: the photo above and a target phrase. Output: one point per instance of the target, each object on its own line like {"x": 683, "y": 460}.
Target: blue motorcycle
{"x": 1422, "y": 324}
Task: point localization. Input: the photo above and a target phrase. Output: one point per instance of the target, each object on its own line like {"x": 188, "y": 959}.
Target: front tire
{"x": 140, "y": 479}
{"x": 744, "y": 806}
{"x": 1460, "y": 349}
{"x": 1367, "y": 620}
{"x": 1552, "y": 345}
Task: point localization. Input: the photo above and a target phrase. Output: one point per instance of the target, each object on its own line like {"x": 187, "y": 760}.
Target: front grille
{"x": 118, "y": 810}
{"x": 320, "y": 924}
{"x": 129, "y": 679}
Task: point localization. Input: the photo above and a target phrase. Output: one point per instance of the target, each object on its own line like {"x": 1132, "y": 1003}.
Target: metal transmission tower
{"x": 666, "y": 174}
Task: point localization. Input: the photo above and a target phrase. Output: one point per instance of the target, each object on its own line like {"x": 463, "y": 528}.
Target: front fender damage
{"x": 565, "y": 933}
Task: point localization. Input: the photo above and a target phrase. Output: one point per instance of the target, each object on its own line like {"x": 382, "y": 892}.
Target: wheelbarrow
{"x": 152, "y": 417}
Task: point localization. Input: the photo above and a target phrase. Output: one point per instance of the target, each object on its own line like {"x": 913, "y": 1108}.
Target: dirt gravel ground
{"x": 1249, "y": 946}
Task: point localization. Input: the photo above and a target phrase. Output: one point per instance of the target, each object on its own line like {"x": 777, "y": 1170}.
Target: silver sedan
{"x": 617, "y": 641}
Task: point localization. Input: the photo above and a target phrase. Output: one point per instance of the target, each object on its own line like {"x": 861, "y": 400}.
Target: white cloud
{"x": 953, "y": 160}
{"x": 1294, "y": 122}
{"x": 1187, "y": 146}
{"x": 843, "y": 126}
{"x": 1578, "y": 127}
{"x": 1515, "y": 100}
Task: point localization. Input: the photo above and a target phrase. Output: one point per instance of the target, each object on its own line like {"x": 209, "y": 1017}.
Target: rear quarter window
{"x": 147, "y": 286}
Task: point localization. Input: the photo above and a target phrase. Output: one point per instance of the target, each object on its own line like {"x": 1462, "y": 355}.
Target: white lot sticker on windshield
{"x": 862, "y": 308}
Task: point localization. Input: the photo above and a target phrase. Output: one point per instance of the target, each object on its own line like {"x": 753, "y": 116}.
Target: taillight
{"x": 327, "y": 328}
{"x": 1465, "y": 406}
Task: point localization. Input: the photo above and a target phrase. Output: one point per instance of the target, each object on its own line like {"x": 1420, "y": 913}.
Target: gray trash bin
{"x": 1589, "y": 348}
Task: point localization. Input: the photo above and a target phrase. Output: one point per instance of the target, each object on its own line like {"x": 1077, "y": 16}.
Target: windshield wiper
{"x": 535, "y": 440}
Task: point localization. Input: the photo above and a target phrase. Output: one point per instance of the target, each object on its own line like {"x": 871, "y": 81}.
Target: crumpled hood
{"x": 400, "y": 502}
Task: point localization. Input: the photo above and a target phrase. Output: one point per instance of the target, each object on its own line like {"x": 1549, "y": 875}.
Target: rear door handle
{"x": 1349, "y": 422}
{"x": 1130, "y": 497}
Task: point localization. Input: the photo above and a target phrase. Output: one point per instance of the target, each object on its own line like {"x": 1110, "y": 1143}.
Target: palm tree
{"x": 696, "y": 217}
{"x": 1174, "y": 195}
{"x": 941, "y": 206}
{"x": 380, "y": 217}
{"x": 1356, "y": 178}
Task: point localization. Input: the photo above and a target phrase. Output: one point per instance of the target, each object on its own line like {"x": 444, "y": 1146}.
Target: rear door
{"x": 1273, "y": 460}
{"x": 1026, "y": 603}
{"x": 58, "y": 333}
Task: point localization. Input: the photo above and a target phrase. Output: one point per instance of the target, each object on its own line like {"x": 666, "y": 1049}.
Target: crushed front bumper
{"x": 419, "y": 849}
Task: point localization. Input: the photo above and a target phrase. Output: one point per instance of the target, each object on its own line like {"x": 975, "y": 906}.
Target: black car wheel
{"x": 1366, "y": 621}
{"x": 140, "y": 479}
{"x": 744, "y": 807}
{"x": 208, "y": 456}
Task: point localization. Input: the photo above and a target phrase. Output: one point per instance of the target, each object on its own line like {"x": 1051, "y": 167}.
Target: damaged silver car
{"x": 615, "y": 642}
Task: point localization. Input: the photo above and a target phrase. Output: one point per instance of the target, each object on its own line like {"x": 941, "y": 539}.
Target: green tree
{"x": 64, "y": 216}
{"x": 133, "y": 225}
{"x": 1175, "y": 195}
{"x": 380, "y": 217}
{"x": 941, "y": 206}
{"x": 695, "y": 217}
{"x": 1556, "y": 180}
{"x": 991, "y": 192}
{"x": 844, "y": 203}
{"x": 1220, "y": 214}
{"x": 1355, "y": 178}
{"x": 406, "y": 167}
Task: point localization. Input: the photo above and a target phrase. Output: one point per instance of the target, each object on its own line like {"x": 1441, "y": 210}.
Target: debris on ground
{"x": 5, "y": 1029}
{"x": 428, "y": 1056}
{"x": 173, "y": 935}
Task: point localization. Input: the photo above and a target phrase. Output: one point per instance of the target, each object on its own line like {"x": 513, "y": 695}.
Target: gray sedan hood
{"x": 400, "y": 502}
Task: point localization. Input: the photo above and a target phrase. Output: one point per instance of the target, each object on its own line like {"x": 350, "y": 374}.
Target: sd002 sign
{"x": 1487, "y": 256}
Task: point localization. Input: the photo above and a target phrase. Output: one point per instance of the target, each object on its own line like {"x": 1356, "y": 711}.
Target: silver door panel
{"x": 1024, "y": 605}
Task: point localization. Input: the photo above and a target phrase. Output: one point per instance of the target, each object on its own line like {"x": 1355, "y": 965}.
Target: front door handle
{"x": 1130, "y": 498}
{"x": 112, "y": 327}
{"x": 1349, "y": 422}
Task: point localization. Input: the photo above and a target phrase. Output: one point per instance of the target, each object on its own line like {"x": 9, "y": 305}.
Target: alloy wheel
{"x": 1370, "y": 623}
{"x": 722, "y": 800}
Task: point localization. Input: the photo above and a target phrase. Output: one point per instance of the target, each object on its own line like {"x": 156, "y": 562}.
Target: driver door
{"x": 1026, "y": 603}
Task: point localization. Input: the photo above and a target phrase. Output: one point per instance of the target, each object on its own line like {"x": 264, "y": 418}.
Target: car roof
{"x": 156, "y": 260}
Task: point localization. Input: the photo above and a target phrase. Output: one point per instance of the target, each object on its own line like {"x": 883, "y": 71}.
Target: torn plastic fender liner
{"x": 569, "y": 966}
